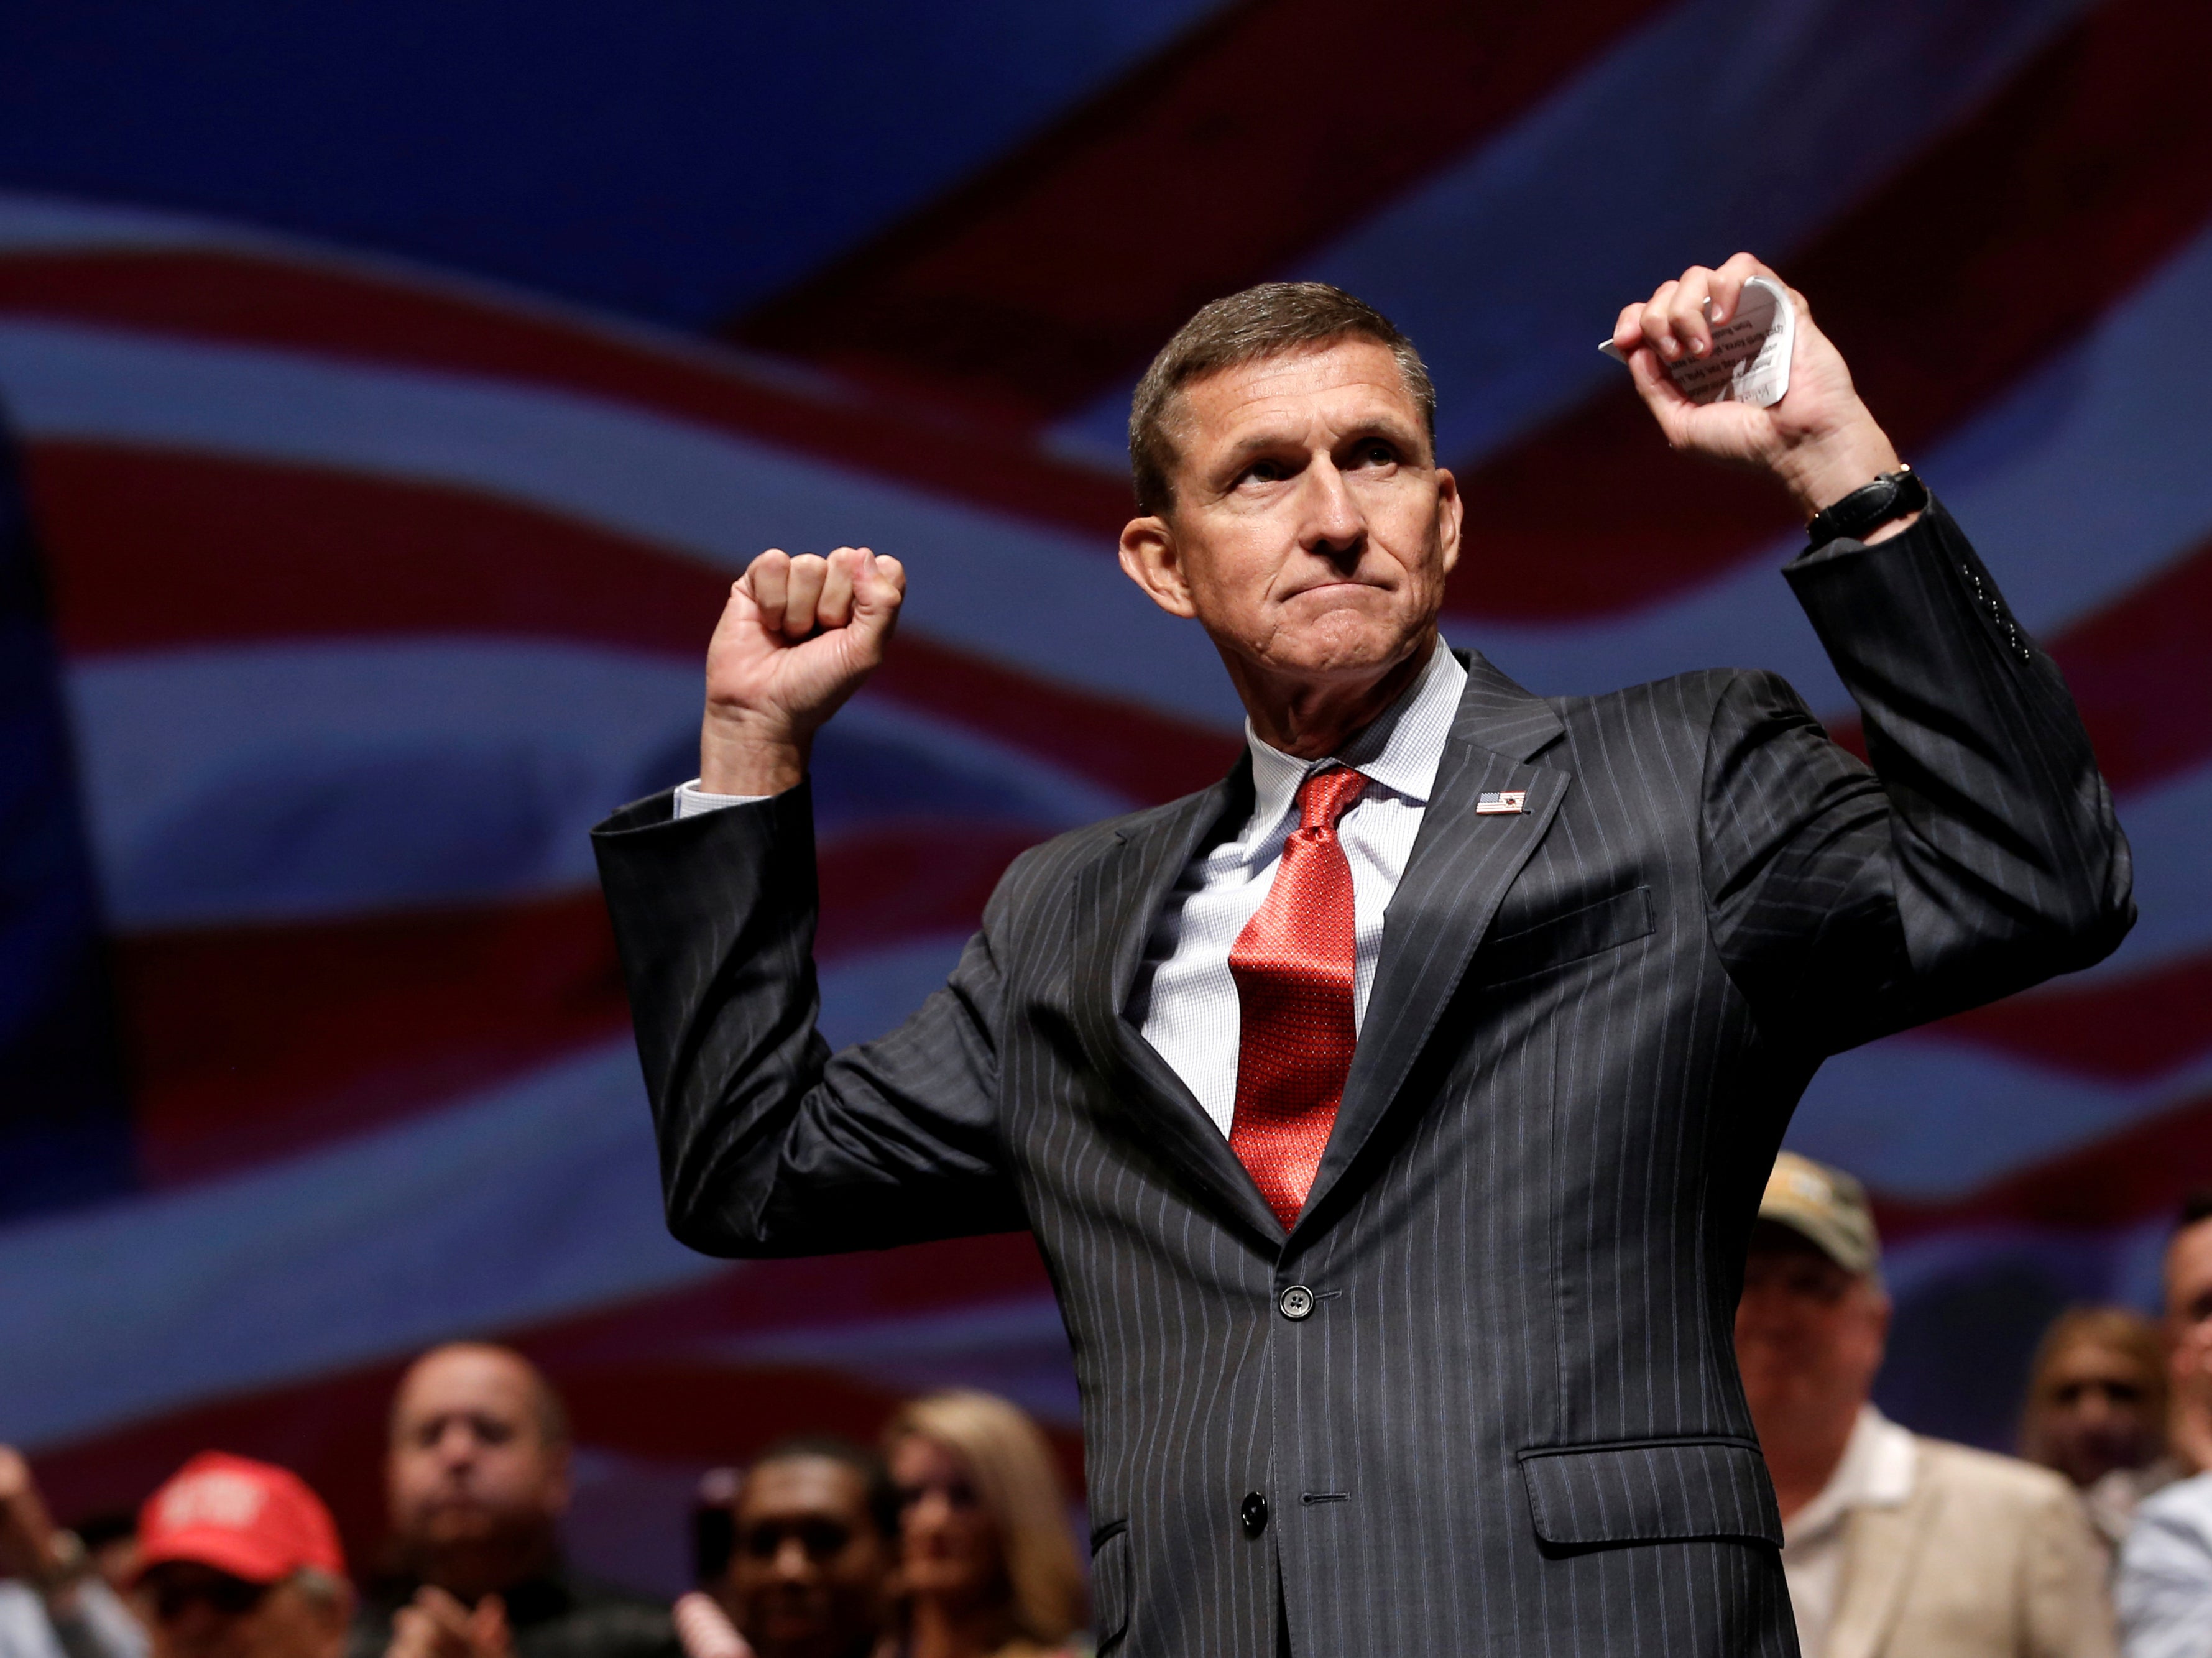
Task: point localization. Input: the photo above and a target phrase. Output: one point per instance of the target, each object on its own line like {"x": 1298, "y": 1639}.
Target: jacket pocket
{"x": 1109, "y": 1585}
{"x": 1651, "y": 1491}
{"x": 1558, "y": 939}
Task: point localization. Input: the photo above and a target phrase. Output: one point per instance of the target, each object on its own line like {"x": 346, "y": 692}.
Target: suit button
{"x": 1297, "y": 1302}
{"x": 1253, "y": 1516}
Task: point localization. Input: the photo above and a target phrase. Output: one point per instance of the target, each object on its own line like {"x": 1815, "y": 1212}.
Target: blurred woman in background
{"x": 987, "y": 1568}
{"x": 2096, "y": 1410}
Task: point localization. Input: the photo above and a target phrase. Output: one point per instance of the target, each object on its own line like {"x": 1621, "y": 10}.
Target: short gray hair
{"x": 1260, "y": 322}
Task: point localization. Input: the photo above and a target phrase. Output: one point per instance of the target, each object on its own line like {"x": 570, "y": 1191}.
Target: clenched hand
{"x": 796, "y": 638}
{"x": 1819, "y": 441}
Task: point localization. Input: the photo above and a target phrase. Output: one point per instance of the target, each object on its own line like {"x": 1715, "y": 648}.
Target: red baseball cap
{"x": 252, "y": 1520}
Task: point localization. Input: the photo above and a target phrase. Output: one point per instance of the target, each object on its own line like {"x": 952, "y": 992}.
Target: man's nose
{"x": 1334, "y": 525}
{"x": 194, "y": 1627}
{"x": 793, "y": 1563}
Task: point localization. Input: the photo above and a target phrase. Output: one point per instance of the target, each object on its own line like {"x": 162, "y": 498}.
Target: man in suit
{"x": 1895, "y": 1546}
{"x": 1392, "y": 1115}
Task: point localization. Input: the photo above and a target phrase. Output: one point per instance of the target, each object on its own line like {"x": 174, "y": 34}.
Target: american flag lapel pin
{"x": 1502, "y": 800}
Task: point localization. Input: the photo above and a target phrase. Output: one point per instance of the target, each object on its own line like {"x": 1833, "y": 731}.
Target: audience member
{"x": 111, "y": 1546}
{"x": 1897, "y": 1546}
{"x": 987, "y": 1568}
{"x": 2097, "y": 1410}
{"x": 816, "y": 1544}
{"x": 2164, "y": 1589}
{"x": 477, "y": 1480}
{"x": 2188, "y": 1333}
{"x": 239, "y": 1559}
{"x": 53, "y": 1604}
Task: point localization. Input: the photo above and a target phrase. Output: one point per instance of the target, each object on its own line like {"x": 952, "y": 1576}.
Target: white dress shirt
{"x": 1876, "y": 1472}
{"x": 1184, "y": 1000}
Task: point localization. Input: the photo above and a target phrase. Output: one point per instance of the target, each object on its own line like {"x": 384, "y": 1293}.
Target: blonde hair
{"x": 2117, "y": 1329}
{"x": 1012, "y": 1467}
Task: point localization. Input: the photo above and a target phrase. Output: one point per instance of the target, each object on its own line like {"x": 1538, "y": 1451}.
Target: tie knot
{"x": 1326, "y": 796}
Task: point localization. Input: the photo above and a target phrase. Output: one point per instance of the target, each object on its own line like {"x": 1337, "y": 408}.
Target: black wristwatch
{"x": 1889, "y": 496}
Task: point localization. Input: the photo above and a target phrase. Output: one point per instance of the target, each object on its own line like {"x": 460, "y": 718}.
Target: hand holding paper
{"x": 1732, "y": 366}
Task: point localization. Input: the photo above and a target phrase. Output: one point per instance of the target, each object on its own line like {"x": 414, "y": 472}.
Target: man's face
{"x": 1808, "y": 1334}
{"x": 810, "y": 1570}
{"x": 469, "y": 1462}
{"x": 1311, "y": 531}
{"x": 2189, "y": 1303}
{"x": 2097, "y": 1412}
{"x": 192, "y": 1611}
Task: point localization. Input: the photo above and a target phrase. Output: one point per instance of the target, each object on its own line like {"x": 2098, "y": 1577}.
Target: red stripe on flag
{"x": 251, "y": 1042}
{"x": 154, "y": 549}
{"x": 2140, "y": 1173}
{"x": 391, "y": 321}
{"x": 2141, "y": 668}
{"x": 1209, "y": 166}
{"x": 2118, "y": 1028}
{"x": 2001, "y": 243}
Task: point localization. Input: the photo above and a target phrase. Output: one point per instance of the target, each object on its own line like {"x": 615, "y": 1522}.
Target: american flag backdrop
{"x": 353, "y": 561}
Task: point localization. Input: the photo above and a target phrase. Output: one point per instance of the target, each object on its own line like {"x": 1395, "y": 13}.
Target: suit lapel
{"x": 1116, "y": 898}
{"x": 1881, "y": 1546}
{"x": 1461, "y": 865}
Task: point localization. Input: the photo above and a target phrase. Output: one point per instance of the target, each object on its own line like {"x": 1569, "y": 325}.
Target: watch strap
{"x": 1892, "y": 495}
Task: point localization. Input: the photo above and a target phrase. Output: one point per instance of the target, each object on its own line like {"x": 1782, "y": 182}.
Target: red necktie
{"x": 1293, "y": 966}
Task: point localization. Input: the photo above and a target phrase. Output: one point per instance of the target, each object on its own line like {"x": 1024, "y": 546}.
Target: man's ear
{"x": 1154, "y": 562}
{"x": 1451, "y": 515}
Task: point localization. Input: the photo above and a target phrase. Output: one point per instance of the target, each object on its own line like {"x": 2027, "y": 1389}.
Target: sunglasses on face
{"x": 820, "y": 1539}
{"x": 232, "y": 1597}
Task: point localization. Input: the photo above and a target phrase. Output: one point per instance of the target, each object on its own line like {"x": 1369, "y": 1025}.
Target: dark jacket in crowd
{"x": 561, "y": 1615}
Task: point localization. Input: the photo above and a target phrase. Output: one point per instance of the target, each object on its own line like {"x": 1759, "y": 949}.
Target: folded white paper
{"x": 1750, "y": 359}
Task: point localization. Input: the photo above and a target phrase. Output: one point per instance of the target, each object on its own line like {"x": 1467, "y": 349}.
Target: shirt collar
{"x": 1401, "y": 749}
{"x": 1876, "y": 1472}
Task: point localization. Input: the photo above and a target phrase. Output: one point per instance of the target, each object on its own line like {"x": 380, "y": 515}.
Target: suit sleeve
{"x": 1978, "y": 854}
{"x": 769, "y": 1143}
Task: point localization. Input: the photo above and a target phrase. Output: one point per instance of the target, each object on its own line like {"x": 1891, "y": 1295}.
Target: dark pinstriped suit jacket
{"x": 1512, "y": 1423}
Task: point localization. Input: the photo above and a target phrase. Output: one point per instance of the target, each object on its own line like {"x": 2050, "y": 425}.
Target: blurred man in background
{"x": 53, "y": 1604}
{"x": 2164, "y": 1585}
{"x": 2096, "y": 1411}
{"x": 1896, "y": 1545}
{"x": 478, "y": 1479}
{"x": 239, "y": 1559}
{"x": 817, "y": 1542}
{"x": 2187, "y": 1283}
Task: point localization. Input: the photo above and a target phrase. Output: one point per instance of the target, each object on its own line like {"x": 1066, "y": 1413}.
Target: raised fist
{"x": 1819, "y": 440}
{"x": 798, "y": 637}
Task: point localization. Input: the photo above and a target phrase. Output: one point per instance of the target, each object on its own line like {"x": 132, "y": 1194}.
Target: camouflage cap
{"x": 1825, "y": 1205}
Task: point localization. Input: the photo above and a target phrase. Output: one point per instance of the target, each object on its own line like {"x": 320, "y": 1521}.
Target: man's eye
{"x": 1377, "y": 454}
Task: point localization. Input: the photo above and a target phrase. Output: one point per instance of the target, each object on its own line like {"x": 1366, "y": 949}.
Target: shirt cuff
{"x": 691, "y": 800}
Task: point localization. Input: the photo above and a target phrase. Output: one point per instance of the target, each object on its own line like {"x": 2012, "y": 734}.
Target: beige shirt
{"x": 1876, "y": 1472}
{"x": 1918, "y": 1548}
